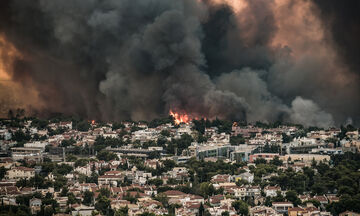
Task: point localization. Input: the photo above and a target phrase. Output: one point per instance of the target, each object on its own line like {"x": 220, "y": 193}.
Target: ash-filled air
{"x": 262, "y": 60}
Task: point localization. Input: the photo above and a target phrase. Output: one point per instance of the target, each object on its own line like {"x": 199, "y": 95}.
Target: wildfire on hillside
{"x": 180, "y": 117}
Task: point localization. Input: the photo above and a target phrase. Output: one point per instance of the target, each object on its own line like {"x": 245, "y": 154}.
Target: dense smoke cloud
{"x": 250, "y": 60}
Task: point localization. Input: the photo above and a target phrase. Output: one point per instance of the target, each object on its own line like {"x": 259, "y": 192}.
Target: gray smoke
{"x": 115, "y": 60}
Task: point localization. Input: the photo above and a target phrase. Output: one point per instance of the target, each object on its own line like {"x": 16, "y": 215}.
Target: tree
{"x": 71, "y": 158}
{"x": 169, "y": 164}
{"x": 276, "y": 161}
{"x": 241, "y": 182}
{"x": 147, "y": 214}
{"x": 160, "y": 121}
{"x": 72, "y": 199}
{"x": 20, "y": 136}
{"x": 286, "y": 138}
{"x": 64, "y": 192}
{"x": 83, "y": 126}
{"x": 206, "y": 189}
{"x": 241, "y": 207}
{"x": 165, "y": 133}
{"x": 48, "y": 211}
{"x": 292, "y": 196}
{"x": 63, "y": 169}
{"x": 268, "y": 201}
{"x": 122, "y": 211}
{"x": 225, "y": 213}
{"x": 2, "y": 172}
{"x": 81, "y": 162}
{"x": 103, "y": 205}
{"x": 346, "y": 202}
{"x": 117, "y": 125}
{"x": 154, "y": 154}
{"x": 183, "y": 143}
{"x": 104, "y": 192}
{"x": 131, "y": 198}
{"x": 157, "y": 182}
{"x": 279, "y": 197}
{"x": 88, "y": 198}
{"x": 39, "y": 123}
{"x": 60, "y": 181}
{"x": 201, "y": 210}
{"x": 66, "y": 143}
{"x": 322, "y": 168}
{"x": 199, "y": 125}
{"x": 318, "y": 188}
{"x": 236, "y": 140}
{"x": 260, "y": 161}
{"x": 107, "y": 156}
{"x": 161, "y": 197}
{"x": 10, "y": 114}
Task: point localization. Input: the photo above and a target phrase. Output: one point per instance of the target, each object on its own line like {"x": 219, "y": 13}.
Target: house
{"x": 333, "y": 198}
{"x": 85, "y": 170}
{"x": 262, "y": 211}
{"x": 349, "y": 213}
{"x": 296, "y": 211}
{"x": 174, "y": 194}
{"x": 9, "y": 191}
{"x": 253, "y": 191}
{"x": 110, "y": 134}
{"x": 67, "y": 125}
{"x": 62, "y": 201}
{"x": 271, "y": 191}
{"x": 189, "y": 208}
{"x": 216, "y": 200}
{"x": 282, "y": 207}
{"x": 83, "y": 210}
{"x": 23, "y": 153}
{"x": 305, "y": 197}
{"x": 111, "y": 178}
{"x": 35, "y": 204}
{"x": 220, "y": 178}
{"x": 322, "y": 199}
{"x": 117, "y": 204}
{"x": 239, "y": 192}
{"x": 353, "y": 134}
{"x": 6, "y": 162}
{"x": 247, "y": 176}
{"x": 266, "y": 156}
{"x": 87, "y": 186}
{"x": 20, "y": 173}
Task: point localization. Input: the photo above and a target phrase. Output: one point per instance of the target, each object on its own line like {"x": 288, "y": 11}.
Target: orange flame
{"x": 180, "y": 118}
{"x": 93, "y": 122}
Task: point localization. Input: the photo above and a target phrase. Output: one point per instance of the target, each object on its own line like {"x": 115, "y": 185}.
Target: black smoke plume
{"x": 121, "y": 59}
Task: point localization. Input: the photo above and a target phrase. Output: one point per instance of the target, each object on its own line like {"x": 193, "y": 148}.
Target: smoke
{"x": 307, "y": 113}
{"x": 112, "y": 60}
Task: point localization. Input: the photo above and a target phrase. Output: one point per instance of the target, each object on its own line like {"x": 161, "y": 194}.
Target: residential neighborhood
{"x": 201, "y": 167}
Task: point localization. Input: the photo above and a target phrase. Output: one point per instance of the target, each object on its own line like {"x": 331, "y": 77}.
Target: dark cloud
{"x": 342, "y": 19}
{"x": 139, "y": 58}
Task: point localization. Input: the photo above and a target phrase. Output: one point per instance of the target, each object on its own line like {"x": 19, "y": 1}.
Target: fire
{"x": 93, "y": 122}
{"x": 180, "y": 118}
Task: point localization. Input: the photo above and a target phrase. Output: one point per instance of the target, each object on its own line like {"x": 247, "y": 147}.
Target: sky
{"x": 294, "y": 61}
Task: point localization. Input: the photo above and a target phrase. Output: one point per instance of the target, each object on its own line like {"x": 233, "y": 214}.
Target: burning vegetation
{"x": 180, "y": 117}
